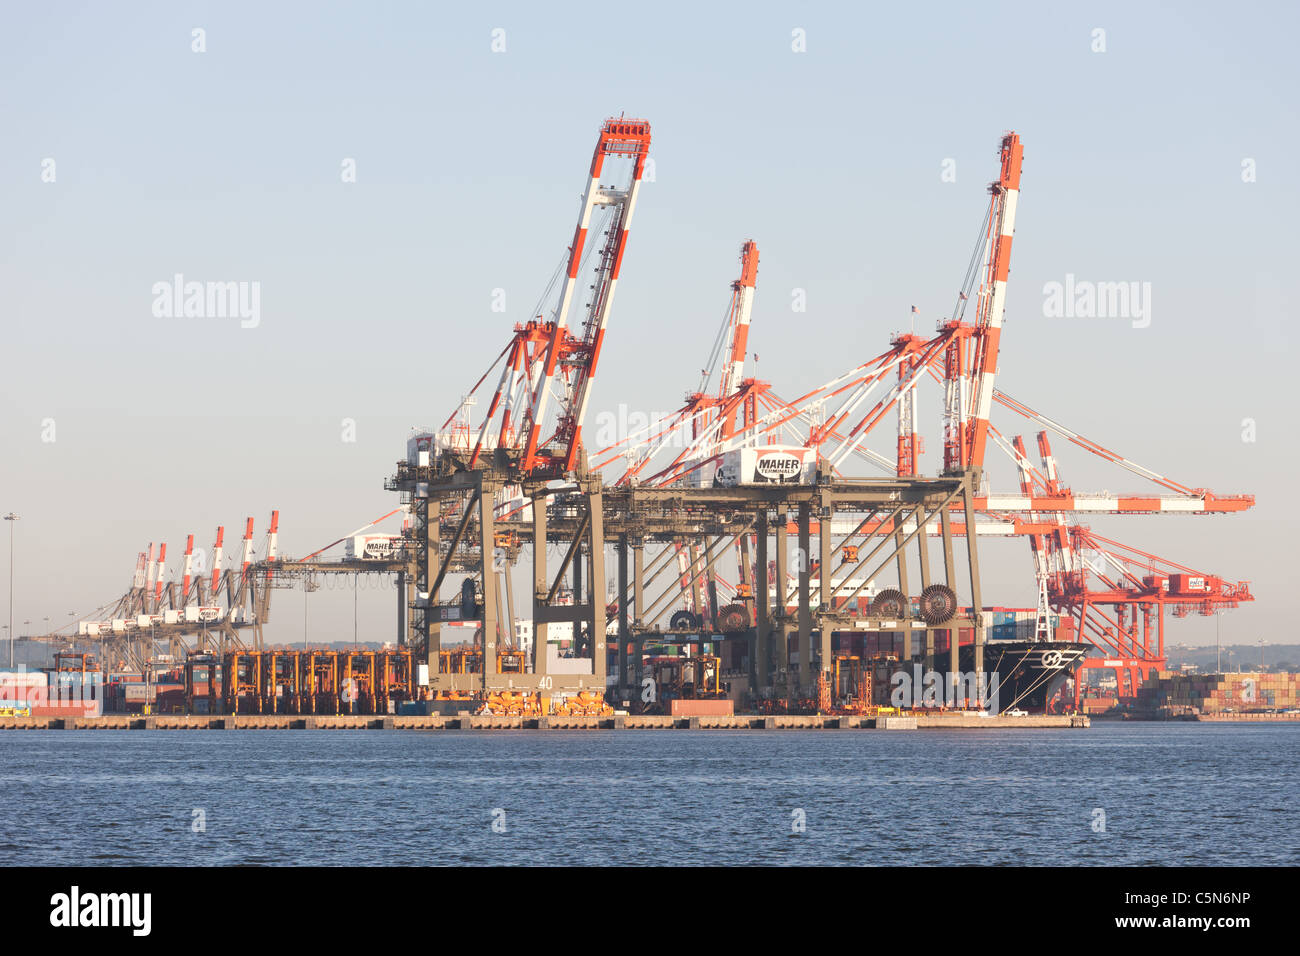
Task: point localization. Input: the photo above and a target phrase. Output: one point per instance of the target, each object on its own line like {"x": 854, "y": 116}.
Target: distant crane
{"x": 1106, "y": 586}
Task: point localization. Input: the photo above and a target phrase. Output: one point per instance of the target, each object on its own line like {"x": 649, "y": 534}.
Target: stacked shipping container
{"x": 1219, "y": 693}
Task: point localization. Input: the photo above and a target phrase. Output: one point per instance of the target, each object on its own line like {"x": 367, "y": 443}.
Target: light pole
{"x": 1218, "y": 616}
{"x": 11, "y": 518}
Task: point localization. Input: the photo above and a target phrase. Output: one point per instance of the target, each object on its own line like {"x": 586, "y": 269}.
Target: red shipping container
{"x": 89, "y": 708}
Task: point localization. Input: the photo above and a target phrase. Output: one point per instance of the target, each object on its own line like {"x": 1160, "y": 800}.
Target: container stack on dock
{"x": 50, "y": 694}
{"x": 1219, "y": 695}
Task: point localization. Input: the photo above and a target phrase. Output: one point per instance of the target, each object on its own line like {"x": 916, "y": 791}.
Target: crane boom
{"x": 580, "y": 354}
{"x": 216, "y": 559}
{"x": 742, "y": 304}
{"x": 992, "y": 295}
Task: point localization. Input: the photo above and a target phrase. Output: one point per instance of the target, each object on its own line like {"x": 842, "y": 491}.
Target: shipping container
{"x": 701, "y": 708}
{"x": 68, "y": 709}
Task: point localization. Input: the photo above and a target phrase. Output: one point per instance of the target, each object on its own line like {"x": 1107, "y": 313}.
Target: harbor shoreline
{"x": 469, "y": 722}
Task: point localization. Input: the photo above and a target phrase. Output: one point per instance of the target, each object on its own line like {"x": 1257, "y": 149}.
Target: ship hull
{"x": 1029, "y": 673}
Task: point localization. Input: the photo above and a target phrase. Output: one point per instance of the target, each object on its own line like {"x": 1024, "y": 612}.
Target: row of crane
{"x": 1111, "y": 591}
{"x": 209, "y": 597}
{"x": 532, "y": 431}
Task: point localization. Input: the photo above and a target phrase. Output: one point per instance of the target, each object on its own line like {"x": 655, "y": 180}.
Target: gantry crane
{"x": 1082, "y": 574}
{"x": 963, "y": 359}
{"x": 991, "y": 306}
{"x": 543, "y": 354}
{"x": 706, "y": 420}
{"x": 157, "y": 608}
{"x": 522, "y": 458}
{"x": 533, "y": 454}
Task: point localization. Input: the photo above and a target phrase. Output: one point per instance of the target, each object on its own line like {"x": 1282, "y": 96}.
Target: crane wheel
{"x": 890, "y": 602}
{"x": 683, "y": 621}
{"x": 733, "y": 618}
{"x": 938, "y": 604}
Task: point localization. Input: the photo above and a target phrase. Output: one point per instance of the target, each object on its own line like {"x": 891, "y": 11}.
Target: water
{"x": 1172, "y": 794}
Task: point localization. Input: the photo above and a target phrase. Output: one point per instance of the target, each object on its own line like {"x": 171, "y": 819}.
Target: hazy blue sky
{"x": 376, "y": 295}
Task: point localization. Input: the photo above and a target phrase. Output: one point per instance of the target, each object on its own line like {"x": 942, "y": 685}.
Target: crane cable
{"x": 972, "y": 269}
{"x": 715, "y": 354}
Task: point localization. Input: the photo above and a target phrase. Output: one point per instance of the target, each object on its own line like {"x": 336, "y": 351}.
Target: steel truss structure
{"x": 476, "y": 496}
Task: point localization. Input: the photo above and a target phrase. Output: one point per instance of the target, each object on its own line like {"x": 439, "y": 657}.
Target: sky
{"x": 381, "y": 170}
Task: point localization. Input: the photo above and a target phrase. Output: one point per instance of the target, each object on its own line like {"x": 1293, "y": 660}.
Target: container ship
{"x": 1030, "y": 673}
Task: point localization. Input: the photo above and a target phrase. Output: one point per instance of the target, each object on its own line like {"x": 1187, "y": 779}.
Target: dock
{"x": 462, "y": 722}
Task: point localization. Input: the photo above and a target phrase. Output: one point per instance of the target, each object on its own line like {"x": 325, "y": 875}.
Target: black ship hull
{"x": 1029, "y": 673}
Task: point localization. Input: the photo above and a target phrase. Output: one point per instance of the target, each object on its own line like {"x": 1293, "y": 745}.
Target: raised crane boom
{"x": 577, "y": 356}
{"x": 742, "y": 304}
{"x": 706, "y": 420}
{"x": 992, "y": 295}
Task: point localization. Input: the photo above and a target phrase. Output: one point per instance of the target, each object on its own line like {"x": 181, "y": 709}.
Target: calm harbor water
{"x": 1172, "y": 794}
